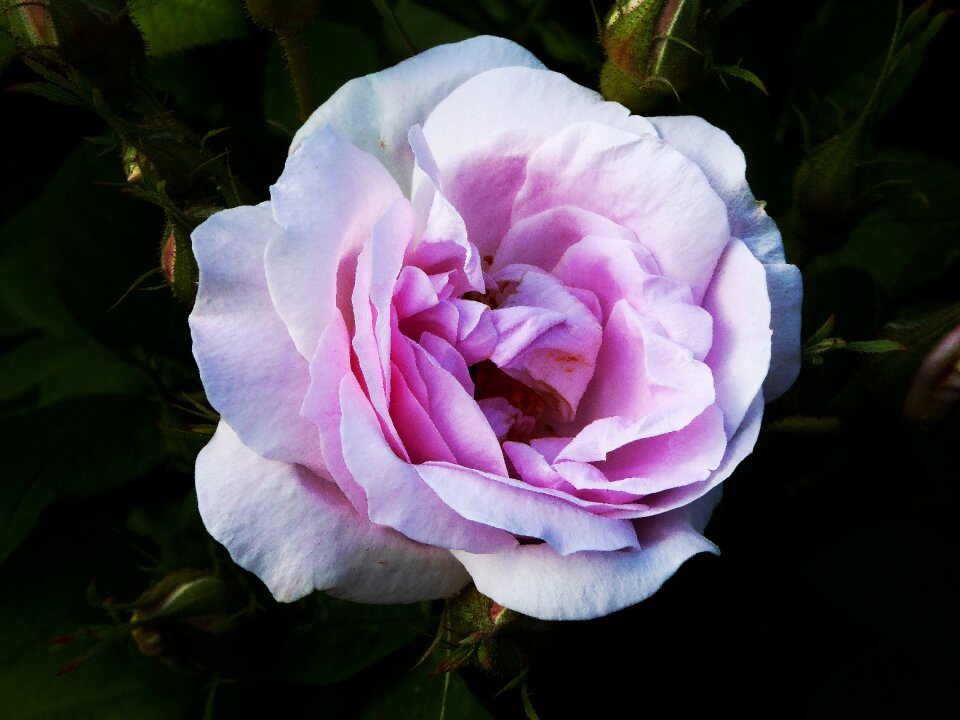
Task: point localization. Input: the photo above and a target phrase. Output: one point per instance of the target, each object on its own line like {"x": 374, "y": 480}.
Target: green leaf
{"x": 172, "y": 25}
{"x": 910, "y": 238}
{"x": 8, "y": 48}
{"x": 823, "y": 332}
{"x": 44, "y": 598}
{"x": 60, "y": 368}
{"x": 69, "y": 254}
{"x": 426, "y": 27}
{"x": 333, "y": 639}
{"x": 416, "y": 695}
{"x": 567, "y": 47}
{"x": 742, "y": 74}
{"x": 49, "y": 91}
{"x": 72, "y": 449}
{"x": 873, "y": 346}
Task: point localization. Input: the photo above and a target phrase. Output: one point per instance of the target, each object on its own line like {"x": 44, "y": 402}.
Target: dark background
{"x": 837, "y": 588}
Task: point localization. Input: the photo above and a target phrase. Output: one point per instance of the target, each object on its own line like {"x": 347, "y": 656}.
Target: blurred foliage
{"x": 835, "y": 593}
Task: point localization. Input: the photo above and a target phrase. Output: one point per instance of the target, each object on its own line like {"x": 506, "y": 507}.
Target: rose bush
{"x": 488, "y": 327}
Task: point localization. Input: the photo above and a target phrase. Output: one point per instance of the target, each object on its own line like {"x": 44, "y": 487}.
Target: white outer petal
{"x": 376, "y": 111}
{"x": 535, "y": 580}
{"x": 239, "y": 340}
{"x": 724, "y": 165}
{"x": 299, "y": 533}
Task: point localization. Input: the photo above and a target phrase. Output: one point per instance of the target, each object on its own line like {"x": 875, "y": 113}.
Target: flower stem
{"x": 295, "y": 53}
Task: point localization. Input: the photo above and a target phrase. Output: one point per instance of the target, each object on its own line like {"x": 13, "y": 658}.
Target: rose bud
{"x": 654, "y": 51}
{"x": 31, "y": 25}
{"x": 489, "y": 327}
{"x": 176, "y": 254}
{"x": 181, "y": 618}
{"x": 936, "y": 388}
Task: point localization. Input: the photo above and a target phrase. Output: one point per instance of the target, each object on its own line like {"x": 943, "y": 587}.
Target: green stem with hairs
{"x": 298, "y": 64}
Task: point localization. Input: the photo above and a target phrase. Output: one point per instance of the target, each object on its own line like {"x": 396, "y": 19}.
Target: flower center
{"x": 490, "y": 382}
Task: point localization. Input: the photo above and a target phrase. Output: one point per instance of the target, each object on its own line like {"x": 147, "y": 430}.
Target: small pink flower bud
{"x": 936, "y": 388}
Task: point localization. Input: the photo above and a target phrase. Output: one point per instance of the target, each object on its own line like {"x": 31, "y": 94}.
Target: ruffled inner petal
{"x": 548, "y": 338}
{"x": 542, "y": 239}
{"x": 327, "y": 200}
{"x": 506, "y": 503}
{"x": 612, "y": 270}
{"x": 669, "y": 205}
{"x": 396, "y": 495}
{"x": 644, "y": 385}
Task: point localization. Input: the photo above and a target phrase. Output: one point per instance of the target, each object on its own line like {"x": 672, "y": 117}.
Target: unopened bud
{"x": 133, "y": 163}
{"x": 176, "y": 252}
{"x": 825, "y": 187}
{"x": 31, "y": 24}
{"x": 936, "y": 388}
{"x": 185, "y": 616}
{"x": 655, "y": 51}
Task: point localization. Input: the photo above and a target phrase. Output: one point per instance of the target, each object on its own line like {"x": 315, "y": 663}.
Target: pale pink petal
{"x": 483, "y": 185}
{"x": 443, "y": 244}
{"x": 644, "y": 385}
{"x": 449, "y": 358}
{"x": 457, "y": 417}
{"x": 327, "y": 201}
{"x": 501, "y": 415}
{"x": 740, "y": 356}
{"x": 674, "y": 459}
{"x": 611, "y": 270}
{"x": 240, "y": 342}
{"x": 553, "y": 350}
{"x": 724, "y": 165}
{"x": 378, "y": 267}
{"x": 375, "y": 112}
{"x": 542, "y": 239}
{"x": 537, "y": 103}
{"x": 538, "y": 581}
{"x": 509, "y": 504}
{"x": 443, "y": 320}
{"x": 669, "y": 204}
{"x": 418, "y": 433}
{"x": 476, "y": 333}
{"x": 321, "y": 404}
{"x": 413, "y": 293}
{"x": 533, "y": 468}
{"x": 738, "y": 448}
{"x": 396, "y": 495}
{"x": 785, "y": 288}
{"x": 298, "y": 533}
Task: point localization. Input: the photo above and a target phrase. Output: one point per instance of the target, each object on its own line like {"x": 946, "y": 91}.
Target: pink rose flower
{"x": 488, "y": 327}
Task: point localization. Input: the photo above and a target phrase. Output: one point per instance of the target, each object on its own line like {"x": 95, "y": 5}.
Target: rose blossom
{"x": 488, "y": 328}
